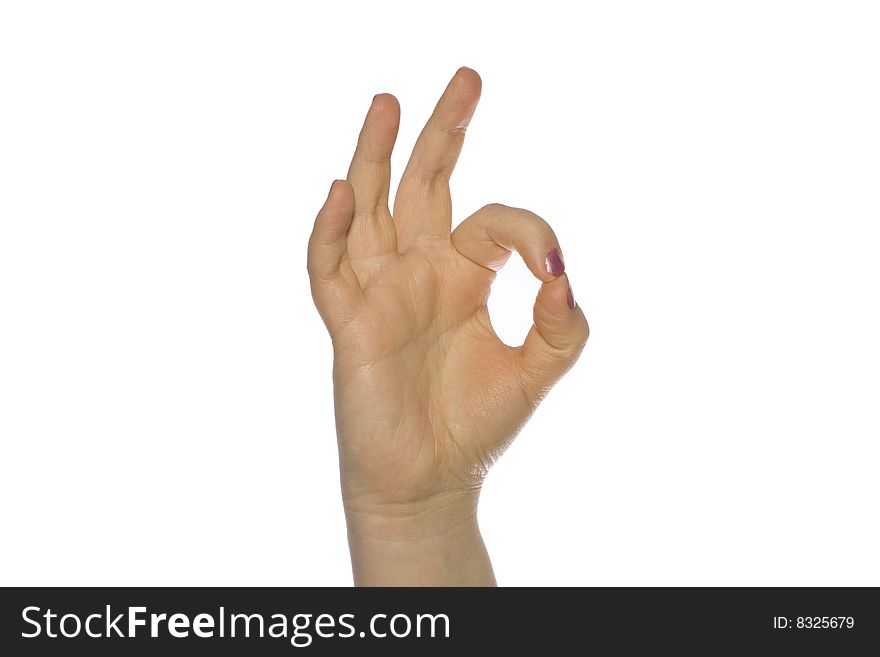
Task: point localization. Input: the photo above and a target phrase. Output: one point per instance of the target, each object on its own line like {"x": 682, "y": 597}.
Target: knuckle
{"x": 432, "y": 178}
{"x": 582, "y": 337}
{"x": 493, "y": 207}
{"x": 539, "y": 222}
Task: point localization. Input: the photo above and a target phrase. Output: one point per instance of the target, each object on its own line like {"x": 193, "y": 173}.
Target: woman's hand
{"x": 427, "y": 397}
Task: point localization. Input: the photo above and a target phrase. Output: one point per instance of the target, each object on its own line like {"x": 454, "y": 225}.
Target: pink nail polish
{"x": 554, "y": 264}
{"x": 571, "y": 302}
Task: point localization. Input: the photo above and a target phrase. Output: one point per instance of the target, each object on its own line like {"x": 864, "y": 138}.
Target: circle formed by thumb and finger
{"x": 560, "y": 330}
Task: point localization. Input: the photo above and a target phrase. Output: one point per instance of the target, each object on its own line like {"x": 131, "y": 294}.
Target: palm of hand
{"x": 426, "y": 394}
{"x": 426, "y": 386}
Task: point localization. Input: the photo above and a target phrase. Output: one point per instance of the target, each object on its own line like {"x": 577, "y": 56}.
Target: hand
{"x": 427, "y": 396}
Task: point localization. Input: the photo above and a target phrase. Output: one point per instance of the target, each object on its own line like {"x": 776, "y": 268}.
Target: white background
{"x": 712, "y": 172}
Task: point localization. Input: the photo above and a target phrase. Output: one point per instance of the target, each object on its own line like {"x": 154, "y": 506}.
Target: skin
{"x": 427, "y": 396}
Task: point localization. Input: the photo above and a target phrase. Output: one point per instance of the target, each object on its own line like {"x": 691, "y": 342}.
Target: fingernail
{"x": 554, "y": 264}
{"x": 571, "y": 301}
{"x": 332, "y": 185}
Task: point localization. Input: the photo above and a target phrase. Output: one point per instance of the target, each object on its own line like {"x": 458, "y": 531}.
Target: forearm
{"x": 434, "y": 543}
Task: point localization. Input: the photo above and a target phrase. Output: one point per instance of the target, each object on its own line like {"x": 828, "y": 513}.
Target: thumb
{"x": 556, "y": 339}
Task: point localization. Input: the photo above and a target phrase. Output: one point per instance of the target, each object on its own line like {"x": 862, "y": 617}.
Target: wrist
{"x": 410, "y": 520}
{"x": 435, "y": 541}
